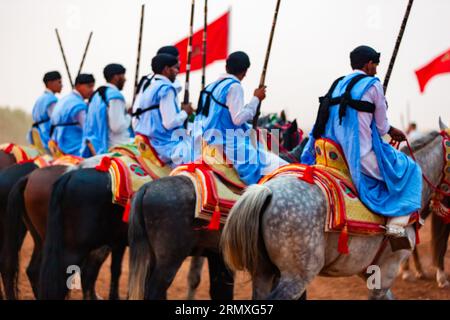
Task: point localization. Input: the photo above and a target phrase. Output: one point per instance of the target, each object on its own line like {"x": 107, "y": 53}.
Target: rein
{"x": 437, "y": 189}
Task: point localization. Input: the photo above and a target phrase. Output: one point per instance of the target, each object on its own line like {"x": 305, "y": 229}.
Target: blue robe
{"x": 172, "y": 145}
{"x": 400, "y": 192}
{"x": 248, "y": 161}
{"x": 40, "y": 115}
{"x": 67, "y": 131}
{"x": 96, "y": 128}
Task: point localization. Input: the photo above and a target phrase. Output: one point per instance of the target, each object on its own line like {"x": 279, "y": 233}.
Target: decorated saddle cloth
{"x": 23, "y": 154}
{"x": 129, "y": 171}
{"x": 217, "y": 186}
{"x": 345, "y": 212}
{"x": 440, "y": 203}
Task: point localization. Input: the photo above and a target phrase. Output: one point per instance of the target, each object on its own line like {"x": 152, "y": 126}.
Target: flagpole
{"x": 397, "y": 45}
{"x": 266, "y": 62}
{"x": 138, "y": 59}
{"x": 189, "y": 54}
{"x": 205, "y": 34}
{"x": 64, "y": 57}
{"x": 84, "y": 54}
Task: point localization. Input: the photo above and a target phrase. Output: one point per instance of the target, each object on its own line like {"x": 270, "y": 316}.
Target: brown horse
{"x": 6, "y": 160}
{"x": 29, "y": 202}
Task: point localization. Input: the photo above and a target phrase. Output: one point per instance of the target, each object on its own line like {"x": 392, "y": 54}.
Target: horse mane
{"x": 420, "y": 143}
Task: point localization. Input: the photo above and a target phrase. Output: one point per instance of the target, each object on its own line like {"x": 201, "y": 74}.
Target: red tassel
{"x": 126, "y": 212}
{"x": 9, "y": 148}
{"x": 214, "y": 224}
{"x": 308, "y": 175}
{"x": 343, "y": 241}
{"x": 104, "y": 164}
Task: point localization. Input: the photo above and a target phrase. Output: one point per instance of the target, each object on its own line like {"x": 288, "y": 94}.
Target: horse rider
{"x": 145, "y": 81}
{"x": 107, "y": 122}
{"x": 161, "y": 117}
{"x": 222, "y": 117}
{"x": 69, "y": 115}
{"x": 43, "y": 107}
{"x": 354, "y": 114}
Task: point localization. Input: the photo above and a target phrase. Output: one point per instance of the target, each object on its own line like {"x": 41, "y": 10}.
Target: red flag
{"x": 438, "y": 66}
{"x": 216, "y": 48}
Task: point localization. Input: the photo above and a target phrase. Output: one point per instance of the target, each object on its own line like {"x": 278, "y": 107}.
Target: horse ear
{"x": 442, "y": 124}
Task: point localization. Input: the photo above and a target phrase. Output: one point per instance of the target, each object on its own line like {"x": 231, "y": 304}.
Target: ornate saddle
{"x": 217, "y": 186}
{"x": 345, "y": 212}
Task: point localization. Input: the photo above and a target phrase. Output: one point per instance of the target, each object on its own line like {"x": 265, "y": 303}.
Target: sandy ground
{"x": 320, "y": 288}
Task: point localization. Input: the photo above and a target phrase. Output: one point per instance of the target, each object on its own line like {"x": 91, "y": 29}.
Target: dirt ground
{"x": 321, "y": 288}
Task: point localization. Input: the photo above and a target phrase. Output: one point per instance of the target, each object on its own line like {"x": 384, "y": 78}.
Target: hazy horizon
{"x": 311, "y": 47}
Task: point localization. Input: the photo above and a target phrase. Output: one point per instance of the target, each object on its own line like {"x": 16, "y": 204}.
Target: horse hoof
{"x": 444, "y": 285}
{"x": 408, "y": 276}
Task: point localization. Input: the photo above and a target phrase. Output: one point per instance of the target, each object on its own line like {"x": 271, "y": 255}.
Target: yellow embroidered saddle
{"x": 216, "y": 183}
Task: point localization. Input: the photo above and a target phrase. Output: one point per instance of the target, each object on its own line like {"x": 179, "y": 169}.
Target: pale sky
{"x": 310, "y": 50}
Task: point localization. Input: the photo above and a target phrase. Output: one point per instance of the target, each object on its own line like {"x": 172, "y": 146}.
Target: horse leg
{"x": 194, "y": 276}
{"x": 420, "y": 273}
{"x": 220, "y": 278}
{"x": 439, "y": 239}
{"x": 405, "y": 270}
{"x": 33, "y": 269}
{"x": 116, "y": 270}
{"x": 388, "y": 268}
{"x": 90, "y": 272}
{"x": 263, "y": 281}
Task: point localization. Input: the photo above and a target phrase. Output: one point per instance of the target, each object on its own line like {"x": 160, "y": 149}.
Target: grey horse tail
{"x": 140, "y": 254}
{"x": 241, "y": 242}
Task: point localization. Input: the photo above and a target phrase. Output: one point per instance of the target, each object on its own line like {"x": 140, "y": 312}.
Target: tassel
{"x": 214, "y": 225}
{"x": 343, "y": 241}
{"x": 104, "y": 164}
{"x": 126, "y": 212}
{"x": 308, "y": 175}
{"x": 9, "y": 148}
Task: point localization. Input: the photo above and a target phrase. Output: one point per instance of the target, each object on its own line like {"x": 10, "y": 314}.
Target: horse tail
{"x": 241, "y": 242}
{"x": 14, "y": 233}
{"x": 140, "y": 250}
{"x": 51, "y": 280}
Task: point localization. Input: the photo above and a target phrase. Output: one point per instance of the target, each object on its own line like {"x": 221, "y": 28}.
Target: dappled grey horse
{"x": 276, "y": 232}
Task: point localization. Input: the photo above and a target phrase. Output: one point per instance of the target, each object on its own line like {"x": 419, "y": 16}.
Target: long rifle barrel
{"x": 205, "y": 38}
{"x": 266, "y": 61}
{"x": 64, "y": 57}
{"x": 397, "y": 45}
{"x": 138, "y": 59}
{"x": 189, "y": 54}
{"x": 84, "y": 54}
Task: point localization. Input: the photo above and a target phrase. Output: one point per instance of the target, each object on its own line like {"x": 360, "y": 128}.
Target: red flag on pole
{"x": 217, "y": 45}
{"x": 438, "y": 66}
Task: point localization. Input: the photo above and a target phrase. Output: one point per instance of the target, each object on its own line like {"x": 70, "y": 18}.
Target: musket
{"x": 138, "y": 61}
{"x": 262, "y": 80}
{"x": 397, "y": 45}
{"x": 84, "y": 54}
{"x": 189, "y": 54}
{"x": 205, "y": 34}
{"x": 64, "y": 57}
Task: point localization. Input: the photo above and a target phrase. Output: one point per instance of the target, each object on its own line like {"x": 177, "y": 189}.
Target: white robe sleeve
{"x": 118, "y": 119}
{"x": 240, "y": 113}
{"x": 171, "y": 118}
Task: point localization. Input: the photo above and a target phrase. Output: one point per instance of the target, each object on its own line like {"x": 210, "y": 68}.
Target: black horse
{"x": 8, "y": 177}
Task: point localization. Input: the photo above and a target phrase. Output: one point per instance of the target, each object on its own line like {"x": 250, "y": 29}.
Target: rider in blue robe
{"x": 388, "y": 181}
{"x": 69, "y": 115}
{"x": 43, "y": 108}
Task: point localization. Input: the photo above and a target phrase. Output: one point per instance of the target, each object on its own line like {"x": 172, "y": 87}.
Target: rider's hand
{"x": 260, "y": 93}
{"x": 397, "y": 134}
{"x": 188, "y": 108}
